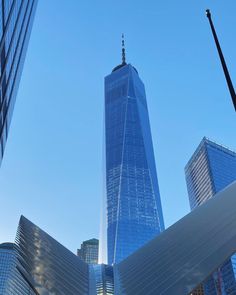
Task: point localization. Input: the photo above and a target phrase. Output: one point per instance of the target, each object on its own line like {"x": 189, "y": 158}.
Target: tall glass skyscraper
{"x": 88, "y": 251}
{"x": 134, "y": 212}
{"x": 211, "y": 168}
{"x": 16, "y": 18}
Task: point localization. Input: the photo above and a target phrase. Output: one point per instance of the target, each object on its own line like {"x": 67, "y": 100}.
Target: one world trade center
{"x": 134, "y": 212}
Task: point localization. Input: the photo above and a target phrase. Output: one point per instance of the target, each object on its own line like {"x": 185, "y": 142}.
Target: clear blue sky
{"x": 52, "y": 171}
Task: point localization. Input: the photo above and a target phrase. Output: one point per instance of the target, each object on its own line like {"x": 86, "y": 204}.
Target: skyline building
{"x": 13, "y": 277}
{"x": 16, "y": 19}
{"x": 134, "y": 212}
{"x": 88, "y": 251}
{"x": 211, "y": 168}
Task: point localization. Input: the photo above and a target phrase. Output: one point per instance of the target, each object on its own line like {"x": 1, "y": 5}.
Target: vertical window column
{"x": 7, "y": 8}
{"x": 1, "y": 20}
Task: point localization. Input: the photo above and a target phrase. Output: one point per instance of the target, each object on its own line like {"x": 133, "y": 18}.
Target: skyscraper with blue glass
{"x": 211, "y": 168}
{"x": 13, "y": 277}
{"x": 134, "y": 212}
{"x": 16, "y": 18}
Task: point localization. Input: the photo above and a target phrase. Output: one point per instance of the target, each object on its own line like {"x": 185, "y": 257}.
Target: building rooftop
{"x": 206, "y": 141}
{"x": 123, "y": 64}
{"x": 91, "y": 242}
{"x": 8, "y": 245}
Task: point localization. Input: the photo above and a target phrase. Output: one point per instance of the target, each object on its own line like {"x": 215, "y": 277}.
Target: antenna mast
{"x": 123, "y": 51}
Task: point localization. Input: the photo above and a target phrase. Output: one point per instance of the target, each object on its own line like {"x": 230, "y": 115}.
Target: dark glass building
{"x": 88, "y": 251}
{"x": 134, "y": 212}
{"x": 13, "y": 277}
{"x": 211, "y": 168}
{"x": 16, "y": 18}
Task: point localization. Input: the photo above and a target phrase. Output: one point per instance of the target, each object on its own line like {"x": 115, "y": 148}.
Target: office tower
{"x": 211, "y": 168}
{"x": 104, "y": 279}
{"x": 52, "y": 267}
{"x": 88, "y": 251}
{"x": 134, "y": 212}
{"x": 13, "y": 277}
{"x": 16, "y": 18}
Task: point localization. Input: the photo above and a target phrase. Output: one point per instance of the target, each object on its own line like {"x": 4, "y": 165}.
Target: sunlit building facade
{"x": 134, "y": 212}
{"x": 16, "y": 18}
{"x": 211, "y": 168}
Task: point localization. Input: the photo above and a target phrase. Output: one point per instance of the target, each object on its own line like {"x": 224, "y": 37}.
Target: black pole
{"x": 226, "y": 72}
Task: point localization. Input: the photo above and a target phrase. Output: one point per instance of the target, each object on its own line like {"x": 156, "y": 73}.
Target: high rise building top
{"x": 123, "y": 56}
{"x": 210, "y": 169}
{"x": 207, "y": 141}
{"x": 88, "y": 251}
{"x": 8, "y": 246}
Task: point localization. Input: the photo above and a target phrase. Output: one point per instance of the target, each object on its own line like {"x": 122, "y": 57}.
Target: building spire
{"x": 123, "y": 50}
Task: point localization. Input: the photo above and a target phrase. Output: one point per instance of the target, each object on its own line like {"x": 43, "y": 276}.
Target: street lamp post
{"x": 223, "y": 63}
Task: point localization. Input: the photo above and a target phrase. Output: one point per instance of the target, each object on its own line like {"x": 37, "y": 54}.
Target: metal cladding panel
{"x": 54, "y": 269}
{"x": 184, "y": 255}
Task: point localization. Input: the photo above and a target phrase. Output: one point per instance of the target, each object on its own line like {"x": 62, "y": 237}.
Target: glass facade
{"x": 104, "y": 279}
{"x": 134, "y": 212}
{"x": 212, "y": 168}
{"x": 16, "y": 18}
{"x": 88, "y": 251}
{"x": 13, "y": 278}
